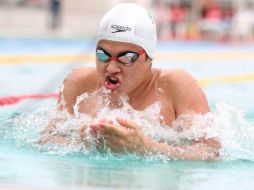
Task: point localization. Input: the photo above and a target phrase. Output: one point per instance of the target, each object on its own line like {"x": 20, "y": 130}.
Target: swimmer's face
{"x": 121, "y": 78}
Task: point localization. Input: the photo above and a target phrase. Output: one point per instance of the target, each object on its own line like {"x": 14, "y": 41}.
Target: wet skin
{"x": 176, "y": 90}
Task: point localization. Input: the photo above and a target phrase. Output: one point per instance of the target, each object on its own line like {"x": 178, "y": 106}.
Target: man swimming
{"x": 126, "y": 41}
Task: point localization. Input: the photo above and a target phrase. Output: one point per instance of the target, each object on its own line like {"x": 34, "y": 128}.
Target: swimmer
{"x": 125, "y": 50}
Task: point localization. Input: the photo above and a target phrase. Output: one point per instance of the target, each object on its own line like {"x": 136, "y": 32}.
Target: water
{"x": 24, "y": 162}
{"x": 226, "y": 124}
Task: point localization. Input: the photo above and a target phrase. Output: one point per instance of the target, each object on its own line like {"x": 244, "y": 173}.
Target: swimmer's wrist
{"x": 153, "y": 146}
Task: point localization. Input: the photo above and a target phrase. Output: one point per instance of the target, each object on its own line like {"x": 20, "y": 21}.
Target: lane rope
{"x": 9, "y": 100}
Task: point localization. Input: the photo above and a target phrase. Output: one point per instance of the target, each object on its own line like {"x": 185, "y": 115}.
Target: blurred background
{"x": 212, "y": 20}
{"x": 41, "y": 41}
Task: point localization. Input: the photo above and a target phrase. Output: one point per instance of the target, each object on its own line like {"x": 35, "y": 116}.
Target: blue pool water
{"x": 25, "y": 164}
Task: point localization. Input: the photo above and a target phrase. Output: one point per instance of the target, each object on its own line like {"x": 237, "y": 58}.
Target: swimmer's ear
{"x": 149, "y": 60}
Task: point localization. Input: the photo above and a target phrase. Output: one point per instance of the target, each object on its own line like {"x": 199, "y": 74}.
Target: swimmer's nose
{"x": 113, "y": 67}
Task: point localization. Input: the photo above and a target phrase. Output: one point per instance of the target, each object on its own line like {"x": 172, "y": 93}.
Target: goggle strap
{"x": 142, "y": 51}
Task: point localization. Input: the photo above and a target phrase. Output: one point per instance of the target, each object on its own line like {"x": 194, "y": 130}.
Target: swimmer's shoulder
{"x": 183, "y": 88}
{"x": 79, "y": 81}
{"x": 84, "y": 78}
{"x": 174, "y": 79}
{"x": 176, "y": 83}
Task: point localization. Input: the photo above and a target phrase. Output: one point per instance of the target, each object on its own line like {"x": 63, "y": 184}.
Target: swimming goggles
{"x": 125, "y": 58}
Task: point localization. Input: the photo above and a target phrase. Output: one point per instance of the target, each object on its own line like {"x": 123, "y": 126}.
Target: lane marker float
{"x": 9, "y": 100}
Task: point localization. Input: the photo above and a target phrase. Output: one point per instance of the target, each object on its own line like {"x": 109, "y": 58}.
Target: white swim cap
{"x": 129, "y": 22}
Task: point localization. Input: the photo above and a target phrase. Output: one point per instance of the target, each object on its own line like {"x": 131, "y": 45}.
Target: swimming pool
{"x": 30, "y": 66}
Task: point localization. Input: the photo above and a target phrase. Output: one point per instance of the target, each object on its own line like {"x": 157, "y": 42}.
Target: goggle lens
{"x": 102, "y": 56}
{"x": 128, "y": 58}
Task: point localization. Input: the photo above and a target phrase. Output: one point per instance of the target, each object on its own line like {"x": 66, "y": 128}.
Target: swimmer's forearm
{"x": 197, "y": 151}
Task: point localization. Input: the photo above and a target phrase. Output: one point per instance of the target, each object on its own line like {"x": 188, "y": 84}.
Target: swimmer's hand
{"x": 121, "y": 137}
{"x": 51, "y": 135}
{"x": 127, "y": 136}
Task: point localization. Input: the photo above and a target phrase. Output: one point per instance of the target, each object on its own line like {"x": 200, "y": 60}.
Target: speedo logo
{"x": 119, "y": 28}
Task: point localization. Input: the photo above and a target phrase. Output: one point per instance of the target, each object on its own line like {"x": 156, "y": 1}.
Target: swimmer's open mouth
{"x": 112, "y": 82}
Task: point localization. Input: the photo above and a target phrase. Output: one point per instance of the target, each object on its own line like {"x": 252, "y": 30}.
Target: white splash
{"x": 226, "y": 124}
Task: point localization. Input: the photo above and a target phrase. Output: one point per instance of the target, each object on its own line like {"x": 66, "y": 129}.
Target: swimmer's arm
{"x": 51, "y": 135}
{"x": 77, "y": 82}
{"x": 196, "y": 151}
{"x": 188, "y": 96}
{"x": 65, "y": 102}
{"x": 128, "y": 136}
